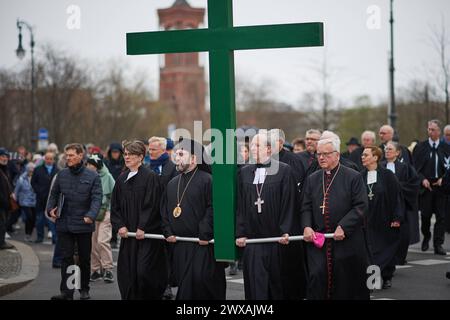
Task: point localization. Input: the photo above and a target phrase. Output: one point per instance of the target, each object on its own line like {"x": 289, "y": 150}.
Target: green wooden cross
{"x": 220, "y": 40}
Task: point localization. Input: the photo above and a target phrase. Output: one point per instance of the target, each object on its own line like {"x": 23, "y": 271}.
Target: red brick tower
{"x": 182, "y": 79}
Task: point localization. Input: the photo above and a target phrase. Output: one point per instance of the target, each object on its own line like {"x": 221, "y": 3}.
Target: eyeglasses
{"x": 127, "y": 154}
{"x": 325, "y": 154}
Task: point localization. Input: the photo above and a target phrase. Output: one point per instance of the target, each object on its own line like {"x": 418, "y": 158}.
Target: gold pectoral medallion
{"x": 177, "y": 211}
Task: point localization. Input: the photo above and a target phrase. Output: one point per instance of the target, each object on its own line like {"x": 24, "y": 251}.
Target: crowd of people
{"x": 369, "y": 199}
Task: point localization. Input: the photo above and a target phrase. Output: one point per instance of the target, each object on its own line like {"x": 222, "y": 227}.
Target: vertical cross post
{"x": 223, "y": 117}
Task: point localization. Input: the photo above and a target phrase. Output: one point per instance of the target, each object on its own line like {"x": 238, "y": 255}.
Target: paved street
{"x": 422, "y": 278}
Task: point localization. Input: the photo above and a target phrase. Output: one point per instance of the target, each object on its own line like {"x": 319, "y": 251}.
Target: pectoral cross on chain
{"x": 323, "y": 206}
{"x": 259, "y": 203}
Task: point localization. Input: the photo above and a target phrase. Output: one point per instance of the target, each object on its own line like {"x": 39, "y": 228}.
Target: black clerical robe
{"x": 141, "y": 266}
{"x": 385, "y": 207}
{"x": 262, "y": 262}
{"x": 293, "y": 260}
{"x": 338, "y": 269}
{"x": 410, "y": 185}
{"x": 197, "y": 273}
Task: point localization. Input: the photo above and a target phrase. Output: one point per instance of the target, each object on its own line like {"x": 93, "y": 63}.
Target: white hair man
{"x": 265, "y": 208}
{"x": 335, "y": 201}
{"x": 331, "y": 136}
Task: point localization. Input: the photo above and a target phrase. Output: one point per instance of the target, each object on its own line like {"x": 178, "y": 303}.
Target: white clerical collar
{"x": 260, "y": 175}
{"x": 371, "y": 176}
{"x": 391, "y": 166}
{"x": 131, "y": 175}
{"x": 435, "y": 142}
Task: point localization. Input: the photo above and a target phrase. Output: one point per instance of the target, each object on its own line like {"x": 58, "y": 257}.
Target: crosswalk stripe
{"x": 240, "y": 281}
{"x": 403, "y": 267}
{"x": 428, "y": 262}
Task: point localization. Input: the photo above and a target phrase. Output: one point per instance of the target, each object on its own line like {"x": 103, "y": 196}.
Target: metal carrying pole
{"x": 249, "y": 241}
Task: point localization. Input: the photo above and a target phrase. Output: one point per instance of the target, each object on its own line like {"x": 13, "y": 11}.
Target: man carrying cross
{"x": 265, "y": 208}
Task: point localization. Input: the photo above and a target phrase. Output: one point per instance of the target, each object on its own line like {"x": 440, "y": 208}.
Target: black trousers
{"x": 30, "y": 220}
{"x": 67, "y": 241}
{"x": 433, "y": 202}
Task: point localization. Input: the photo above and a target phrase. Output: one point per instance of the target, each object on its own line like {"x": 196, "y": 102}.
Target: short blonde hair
{"x": 162, "y": 141}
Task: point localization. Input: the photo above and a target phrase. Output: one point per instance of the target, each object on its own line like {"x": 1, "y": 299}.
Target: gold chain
{"x": 178, "y": 189}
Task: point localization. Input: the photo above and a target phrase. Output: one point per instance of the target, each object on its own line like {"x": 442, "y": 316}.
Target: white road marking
{"x": 428, "y": 262}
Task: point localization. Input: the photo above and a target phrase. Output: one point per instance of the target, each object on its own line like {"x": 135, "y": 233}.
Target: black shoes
{"x": 425, "y": 244}
{"x": 447, "y": 275}
{"x": 440, "y": 251}
{"x": 108, "y": 277}
{"x": 84, "y": 295}
{"x": 387, "y": 284}
{"x": 96, "y": 275}
{"x": 62, "y": 296}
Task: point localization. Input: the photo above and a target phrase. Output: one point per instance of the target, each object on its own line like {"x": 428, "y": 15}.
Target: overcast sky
{"x": 358, "y": 54}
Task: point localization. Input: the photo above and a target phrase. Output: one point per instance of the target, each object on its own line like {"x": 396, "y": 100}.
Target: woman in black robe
{"x": 385, "y": 213}
{"x": 410, "y": 185}
{"x": 141, "y": 267}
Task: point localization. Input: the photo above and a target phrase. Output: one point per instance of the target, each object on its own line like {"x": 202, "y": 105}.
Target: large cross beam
{"x": 220, "y": 40}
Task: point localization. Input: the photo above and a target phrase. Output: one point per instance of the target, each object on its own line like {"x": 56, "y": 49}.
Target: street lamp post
{"x": 20, "y": 52}
{"x": 392, "y": 108}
